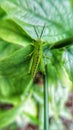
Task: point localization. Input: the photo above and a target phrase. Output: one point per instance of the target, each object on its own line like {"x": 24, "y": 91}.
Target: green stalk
{"x": 46, "y": 106}
{"x": 41, "y": 117}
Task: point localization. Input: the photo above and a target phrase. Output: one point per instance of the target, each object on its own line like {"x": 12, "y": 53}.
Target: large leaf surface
{"x": 57, "y": 16}
{"x": 7, "y": 49}
{"x": 16, "y": 63}
{"x": 9, "y": 116}
{"x": 68, "y": 56}
{"x": 11, "y": 32}
{"x": 16, "y": 28}
{"x": 22, "y": 15}
{"x": 10, "y": 91}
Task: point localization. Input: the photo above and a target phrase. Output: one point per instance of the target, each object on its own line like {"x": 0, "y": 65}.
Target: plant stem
{"x": 41, "y": 117}
{"x": 46, "y": 106}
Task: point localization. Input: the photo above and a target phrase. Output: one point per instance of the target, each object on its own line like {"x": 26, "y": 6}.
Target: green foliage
{"x": 8, "y": 116}
{"x": 17, "y": 34}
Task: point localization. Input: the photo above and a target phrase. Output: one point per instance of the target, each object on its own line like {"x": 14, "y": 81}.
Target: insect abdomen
{"x": 34, "y": 70}
{"x": 36, "y": 59}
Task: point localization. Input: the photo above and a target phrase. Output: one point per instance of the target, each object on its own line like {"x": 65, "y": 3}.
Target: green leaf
{"x": 14, "y": 100}
{"x": 71, "y": 1}
{"x": 68, "y": 57}
{"x": 58, "y": 22}
{"x": 11, "y": 32}
{"x": 32, "y": 118}
{"x": 4, "y": 87}
{"x": 17, "y": 29}
{"x": 17, "y": 63}
{"x": 9, "y": 116}
{"x": 2, "y": 13}
{"x": 10, "y": 88}
{"x": 7, "y": 49}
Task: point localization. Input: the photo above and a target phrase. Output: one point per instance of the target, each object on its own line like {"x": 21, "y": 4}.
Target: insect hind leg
{"x": 30, "y": 65}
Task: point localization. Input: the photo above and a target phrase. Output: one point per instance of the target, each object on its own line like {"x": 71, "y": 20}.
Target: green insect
{"x": 37, "y": 56}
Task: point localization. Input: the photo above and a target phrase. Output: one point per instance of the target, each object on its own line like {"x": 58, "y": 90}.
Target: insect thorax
{"x": 39, "y": 40}
{"x": 38, "y": 46}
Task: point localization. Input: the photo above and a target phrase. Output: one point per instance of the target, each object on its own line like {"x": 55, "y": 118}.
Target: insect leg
{"x": 30, "y": 66}
{"x": 42, "y": 65}
{"x": 44, "y": 43}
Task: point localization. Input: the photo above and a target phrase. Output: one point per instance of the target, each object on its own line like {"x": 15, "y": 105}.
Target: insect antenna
{"x": 35, "y": 31}
{"x": 42, "y": 31}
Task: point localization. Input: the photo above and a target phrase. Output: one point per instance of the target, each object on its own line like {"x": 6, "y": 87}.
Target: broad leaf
{"x": 9, "y": 116}
{"x": 17, "y": 63}
{"x": 7, "y": 49}
{"x": 68, "y": 56}
{"x": 58, "y": 22}
{"x": 11, "y": 32}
